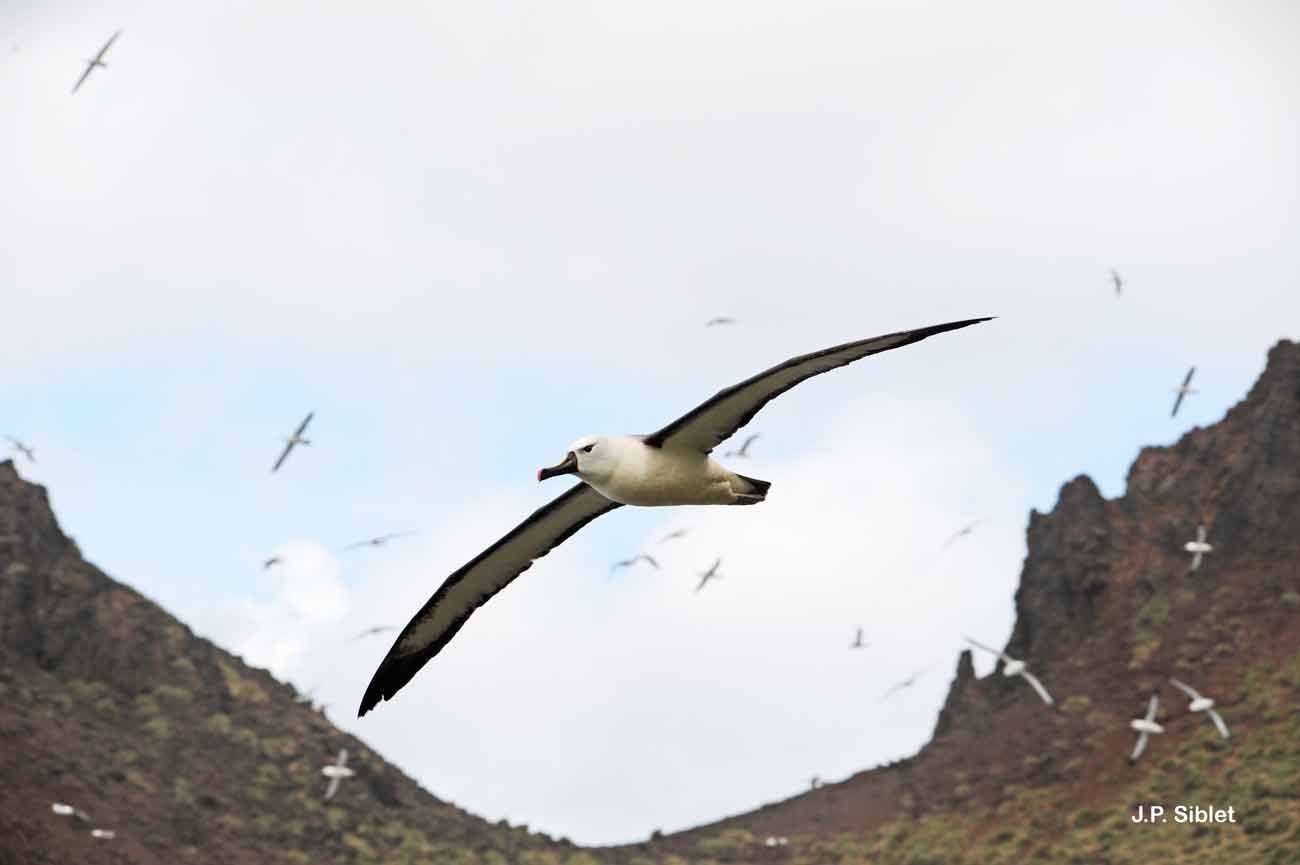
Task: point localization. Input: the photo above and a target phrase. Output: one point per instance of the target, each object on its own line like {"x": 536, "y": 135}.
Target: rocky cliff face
{"x": 110, "y": 704}
{"x": 1107, "y": 610}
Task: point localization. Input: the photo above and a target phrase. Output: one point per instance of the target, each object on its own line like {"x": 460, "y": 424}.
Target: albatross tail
{"x": 750, "y": 491}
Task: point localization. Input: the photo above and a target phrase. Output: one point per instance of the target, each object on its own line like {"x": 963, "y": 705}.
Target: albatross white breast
{"x": 668, "y": 467}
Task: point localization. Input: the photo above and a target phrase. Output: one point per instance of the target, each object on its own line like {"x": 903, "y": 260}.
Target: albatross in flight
{"x": 1183, "y": 390}
{"x": 1117, "y": 281}
{"x": 1202, "y": 704}
{"x": 1198, "y": 547}
{"x": 336, "y": 773}
{"x": 377, "y": 541}
{"x": 97, "y": 60}
{"x": 22, "y": 449}
{"x": 710, "y": 574}
{"x": 668, "y": 467}
{"x": 1145, "y": 727}
{"x": 639, "y": 557}
{"x": 743, "y": 450}
{"x": 1012, "y": 667}
{"x": 295, "y": 439}
{"x": 857, "y": 641}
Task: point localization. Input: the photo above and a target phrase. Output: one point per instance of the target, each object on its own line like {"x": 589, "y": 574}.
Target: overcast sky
{"x": 467, "y": 233}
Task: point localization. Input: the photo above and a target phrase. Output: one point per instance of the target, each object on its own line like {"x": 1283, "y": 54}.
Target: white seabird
{"x": 104, "y": 834}
{"x": 1012, "y": 667}
{"x": 668, "y": 467}
{"x": 710, "y": 574}
{"x": 639, "y": 557}
{"x": 1145, "y": 727}
{"x": 22, "y": 449}
{"x": 1183, "y": 390}
{"x": 743, "y": 450}
{"x": 1202, "y": 704}
{"x": 906, "y": 683}
{"x": 337, "y": 772}
{"x": 97, "y": 60}
{"x": 960, "y": 533}
{"x": 292, "y": 441}
{"x": 377, "y": 541}
{"x": 68, "y": 811}
{"x": 1198, "y": 547}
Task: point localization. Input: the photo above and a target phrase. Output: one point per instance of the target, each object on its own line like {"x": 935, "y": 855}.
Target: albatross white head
{"x": 591, "y": 458}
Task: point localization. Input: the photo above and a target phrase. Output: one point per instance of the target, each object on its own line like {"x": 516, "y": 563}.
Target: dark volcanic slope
{"x": 110, "y": 704}
{"x": 1107, "y": 610}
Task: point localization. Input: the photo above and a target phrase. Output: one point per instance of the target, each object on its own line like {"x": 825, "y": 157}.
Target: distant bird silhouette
{"x": 377, "y": 629}
{"x": 97, "y": 60}
{"x": 1145, "y": 727}
{"x": 906, "y": 683}
{"x": 710, "y": 574}
{"x": 857, "y": 641}
{"x": 814, "y": 782}
{"x": 1117, "y": 281}
{"x": 291, "y": 441}
{"x": 1012, "y": 667}
{"x": 336, "y": 773}
{"x": 68, "y": 811}
{"x": 1183, "y": 390}
{"x": 272, "y": 562}
{"x": 719, "y": 320}
{"x": 961, "y": 534}
{"x": 1202, "y": 704}
{"x": 22, "y": 449}
{"x": 743, "y": 451}
{"x": 672, "y": 536}
{"x": 639, "y": 557}
{"x": 377, "y": 541}
{"x": 1198, "y": 547}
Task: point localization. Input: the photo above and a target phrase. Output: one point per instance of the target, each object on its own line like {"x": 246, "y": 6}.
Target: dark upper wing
{"x": 303, "y": 426}
{"x": 1178, "y": 400}
{"x": 107, "y": 45}
{"x": 1188, "y": 380}
{"x": 84, "y": 76}
{"x": 714, "y": 421}
{"x": 284, "y": 454}
{"x": 473, "y": 584}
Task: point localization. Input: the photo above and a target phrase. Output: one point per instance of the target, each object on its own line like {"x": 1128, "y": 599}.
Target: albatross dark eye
{"x": 588, "y": 448}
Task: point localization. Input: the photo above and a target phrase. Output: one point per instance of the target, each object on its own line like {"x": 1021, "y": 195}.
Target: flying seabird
{"x": 377, "y": 629}
{"x": 639, "y": 557}
{"x": 1115, "y": 279}
{"x": 857, "y": 641}
{"x": 961, "y": 533}
{"x": 717, "y": 320}
{"x": 97, "y": 60}
{"x": 295, "y": 439}
{"x": 906, "y": 683}
{"x": 668, "y": 467}
{"x": 1202, "y": 704}
{"x": 744, "y": 448}
{"x": 1183, "y": 390}
{"x": 105, "y": 834}
{"x": 271, "y": 562}
{"x": 814, "y": 782}
{"x": 672, "y": 536}
{"x": 710, "y": 574}
{"x": 22, "y": 449}
{"x": 377, "y": 541}
{"x": 1012, "y": 667}
{"x": 1198, "y": 547}
{"x": 1145, "y": 727}
{"x": 68, "y": 811}
{"x": 336, "y": 772}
